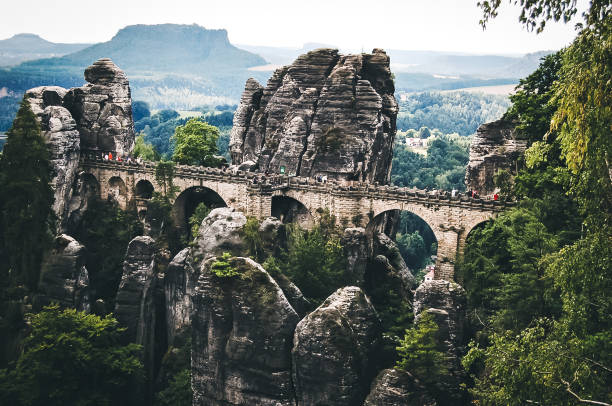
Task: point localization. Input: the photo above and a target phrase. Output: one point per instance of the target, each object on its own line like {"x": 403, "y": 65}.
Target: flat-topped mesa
{"x": 326, "y": 114}
{"x": 103, "y": 109}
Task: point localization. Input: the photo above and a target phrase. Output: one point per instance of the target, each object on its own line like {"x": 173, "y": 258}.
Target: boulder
{"x": 325, "y": 114}
{"x": 242, "y": 330}
{"x": 220, "y": 231}
{"x": 102, "y": 109}
{"x": 63, "y": 277}
{"x": 271, "y": 230}
{"x": 334, "y": 350}
{"x": 393, "y": 387}
{"x": 496, "y": 146}
{"x": 394, "y": 263}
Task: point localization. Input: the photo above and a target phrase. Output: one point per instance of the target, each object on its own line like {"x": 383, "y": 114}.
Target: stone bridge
{"x": 295, "y": 199}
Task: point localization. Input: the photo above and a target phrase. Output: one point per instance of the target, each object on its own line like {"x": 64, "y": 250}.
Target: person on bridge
{"x": 495, "y": 196}
{"x": 110, "y": 156}
{"x": 105, "y": 157}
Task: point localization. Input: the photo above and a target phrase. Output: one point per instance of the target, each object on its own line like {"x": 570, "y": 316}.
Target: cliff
{"x": 96, "y": 116}
{"x": 325, "y": 114}
{"x": 494, "y": 147}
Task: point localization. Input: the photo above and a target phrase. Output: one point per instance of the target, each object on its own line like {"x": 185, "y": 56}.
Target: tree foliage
{"x": 442, "y": 168}
{"x": 144, "y": 150}
{"x": 196, "y": 143}
{"x": 27, "y": 218}
{"x": 200, "y": 213}
{"x": 73, "y": 358}
{"x": 418, "y": 351}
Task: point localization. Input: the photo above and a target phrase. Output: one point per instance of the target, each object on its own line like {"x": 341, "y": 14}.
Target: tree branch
{"x": 591, "y": 402}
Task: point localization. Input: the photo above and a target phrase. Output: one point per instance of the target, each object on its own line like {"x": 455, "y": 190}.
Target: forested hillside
{"x": 449, "y": 112}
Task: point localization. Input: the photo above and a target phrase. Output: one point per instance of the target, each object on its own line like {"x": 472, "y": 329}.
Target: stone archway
{"x": 189, "y": 199}
{"x": 117, "y": 191}
{"x": 144, "y": 189}
{"x": 415, "y": 238}
{"x": 290, "y": 210}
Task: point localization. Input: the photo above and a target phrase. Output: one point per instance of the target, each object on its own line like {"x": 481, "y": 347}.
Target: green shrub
{"x": 223, "y": 268}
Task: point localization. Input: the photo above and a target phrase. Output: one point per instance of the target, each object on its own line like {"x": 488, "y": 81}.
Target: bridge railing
{"x": 280, "y": 182}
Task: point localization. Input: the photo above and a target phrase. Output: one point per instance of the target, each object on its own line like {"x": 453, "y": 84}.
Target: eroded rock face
{"x": 102, "y": 109}
{"x": 242, "y": 330}
{"x": 221, "y": 231}
{"x": 179, "y": 282}
{"x": 139, "y": 306}
{"x": 64, "y": 278}
{"x": 393, "y": 387}
{"x": 63, "y": 141}
{"x": 394, "y": 263}
{"x": 333, "y": 350}
{"x": 356, "y": 248}
{"x": 325, "y": 114}
{"x": 495, "y": 146}
{"x": 446, "y": 301}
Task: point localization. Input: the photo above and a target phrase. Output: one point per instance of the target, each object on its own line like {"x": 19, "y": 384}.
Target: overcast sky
{"x": 444, "y": 25}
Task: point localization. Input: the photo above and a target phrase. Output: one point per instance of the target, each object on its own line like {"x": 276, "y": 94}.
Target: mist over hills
{"x": 24, "y": 47}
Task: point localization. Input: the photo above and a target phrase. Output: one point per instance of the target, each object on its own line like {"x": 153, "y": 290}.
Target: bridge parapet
{"x": 450, "y": 217}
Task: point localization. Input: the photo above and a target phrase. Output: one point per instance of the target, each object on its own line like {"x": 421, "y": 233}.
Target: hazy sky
{"x": 445, "y": 25}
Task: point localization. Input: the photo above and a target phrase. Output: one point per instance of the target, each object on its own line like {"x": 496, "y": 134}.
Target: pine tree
{"x": 27, "y": 198}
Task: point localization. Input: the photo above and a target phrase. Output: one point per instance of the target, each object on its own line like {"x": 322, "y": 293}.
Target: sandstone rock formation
{"x": 64, "y": 278}
{"x": 495, "y": 147}
{"x": 385, "y": 246}
{"x": 133, "y": 306}
{"x": 63, "y": 141}
{"x": 242, "y": 330}
{"x": 393, "y": 387}
{"x": 447, "y": 302}
{"x": 103, "y": 109}
{"x": 325, "y": 114}
{"x": 357, "y": 251}
{"x": 333, "y": 350}
{"x": 97, "y": 116}
{"x": 139, "y": 306}
{"x": 179, "y": 283}
{"x": 220, "y": 231}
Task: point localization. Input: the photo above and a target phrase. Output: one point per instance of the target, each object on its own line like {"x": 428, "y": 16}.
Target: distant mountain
{"x": 283, "y": 55}
{"x": 167, "y": 48}
{"x": 25, "y": 47}
{"x": 485, "y": 66}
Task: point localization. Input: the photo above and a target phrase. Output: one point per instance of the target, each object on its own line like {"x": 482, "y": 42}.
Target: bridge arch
{"x": 144, "y": 189}
{"x": 400, "y": 226}
{"x": 189, "y": 199}
{"x": 117, "y": 191}
{"x": 291, "y": 210}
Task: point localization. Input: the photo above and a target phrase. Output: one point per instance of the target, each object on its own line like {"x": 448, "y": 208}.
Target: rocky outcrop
{"x": 220, "y": 231}
{"x": 496, "y": 146}
{"x": 394, "y": 263}
{"x": 102, "y": 109}
{"x": 393, "y": 387}
{"x": 97, "y": 116}
{"x": 179, "y": 283}
{"x": 139, "y": 306}
{"x": 64, "y": 278}
{"x": 356, "y": 249}
{"x": 63, "y": 141}
{"x": 333, "y": 350}
{"x": 271, "y": 230}
{"x": 447, "y": 302}
{"x": 242, "y": 330}
{"x": 325, "y": 114}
